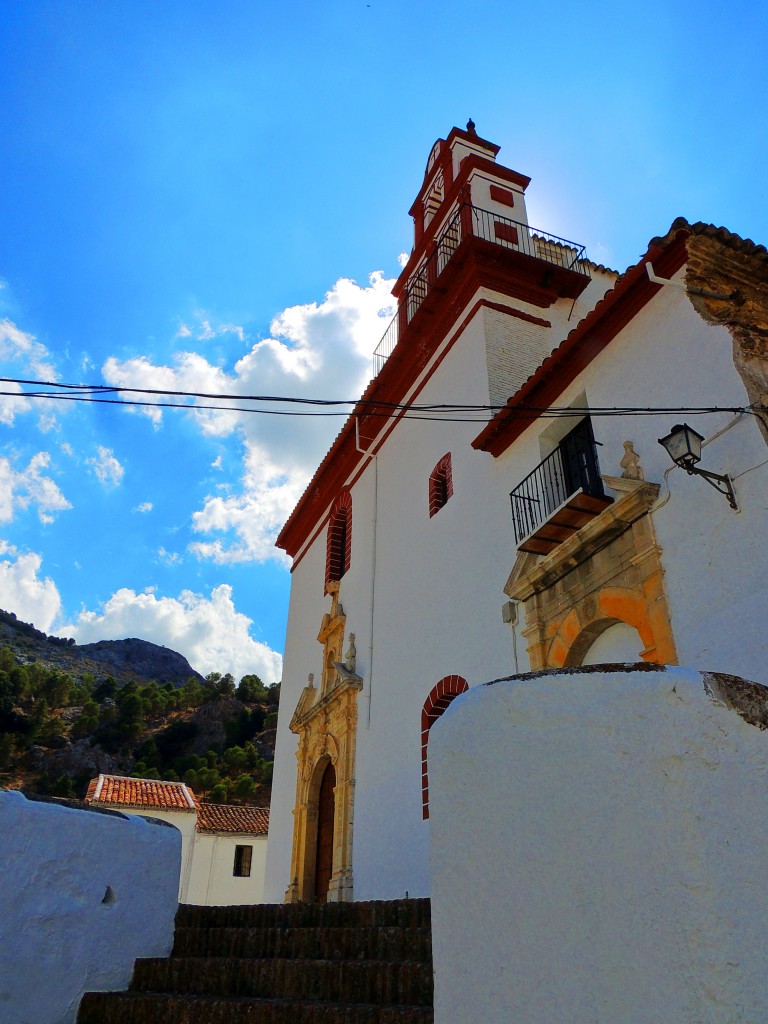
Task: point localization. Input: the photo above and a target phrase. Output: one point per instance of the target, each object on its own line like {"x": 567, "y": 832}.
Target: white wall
{"x": 58, "y": 936}
{"x": 212, "y": 882}
{"x": 598, "y": 844}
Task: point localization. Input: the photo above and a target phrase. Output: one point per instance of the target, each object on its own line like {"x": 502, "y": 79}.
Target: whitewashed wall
{"x": 212, "y": 882}
{"x": 598, "y": 844}
{"x": 78, "y": 904}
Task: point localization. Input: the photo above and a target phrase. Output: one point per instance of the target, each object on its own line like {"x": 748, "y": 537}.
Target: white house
{"x": 223, "y": 846}
{"x": 454, "y": 534}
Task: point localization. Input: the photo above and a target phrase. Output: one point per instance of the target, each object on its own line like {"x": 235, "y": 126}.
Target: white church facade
{"x": 438, "y": 547}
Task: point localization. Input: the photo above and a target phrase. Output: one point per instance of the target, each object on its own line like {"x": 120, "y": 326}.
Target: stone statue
{"x": 351, "y": 655}
{"x": 630, "y": 463}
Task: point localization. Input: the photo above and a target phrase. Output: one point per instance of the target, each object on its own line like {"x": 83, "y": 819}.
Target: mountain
{"x": 128, "y": 707}
{"x": 129, "y": 660}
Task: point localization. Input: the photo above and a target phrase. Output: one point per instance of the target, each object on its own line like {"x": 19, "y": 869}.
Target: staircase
{"x": 332, "y": 963}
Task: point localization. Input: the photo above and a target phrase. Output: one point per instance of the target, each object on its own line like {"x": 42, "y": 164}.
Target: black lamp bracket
{"x": 721, "y": 483}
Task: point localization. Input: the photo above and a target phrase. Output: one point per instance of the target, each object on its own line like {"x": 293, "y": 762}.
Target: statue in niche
{"x": 630, "y": 463}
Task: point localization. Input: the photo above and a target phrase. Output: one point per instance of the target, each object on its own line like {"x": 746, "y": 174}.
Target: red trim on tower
{"x": 502, "y": 195}
{"x": 506, "y": 232}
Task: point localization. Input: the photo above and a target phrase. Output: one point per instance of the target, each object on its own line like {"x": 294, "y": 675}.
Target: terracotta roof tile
{"x": 230, "y": 818}
{"x": 118, "y": 791}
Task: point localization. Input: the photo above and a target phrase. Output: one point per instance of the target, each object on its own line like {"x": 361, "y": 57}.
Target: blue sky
{"x": 214, "y": 197}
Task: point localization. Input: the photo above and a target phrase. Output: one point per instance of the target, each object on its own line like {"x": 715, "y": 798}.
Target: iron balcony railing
{"x": 571, "y": 467}
{"x": 491, "y": 227}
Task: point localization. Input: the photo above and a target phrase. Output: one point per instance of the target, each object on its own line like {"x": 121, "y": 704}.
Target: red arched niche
{"x": 440, "y": 696}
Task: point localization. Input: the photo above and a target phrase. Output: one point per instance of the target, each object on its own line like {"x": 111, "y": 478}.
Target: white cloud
{"x": 206, "y": 331}
{"x": 169, "y": 557}
{"x": 210, "y": 633}
{"x": 19, "y": 346}
{"x": 216, "y": 464}
{"x": 30, "y": 486}
{"x": 24, "y": 356}
{"x": 145, "y": 506}
{"x": 106, "y": 467}
{"x": 32, "y": 599}
{"x": 316, "y": 350}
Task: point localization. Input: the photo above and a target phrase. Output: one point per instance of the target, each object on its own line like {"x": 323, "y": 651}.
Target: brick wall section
{"x": 440, "y": 696}
{"x": 440, "y": 484}
{"x": 338, "y": 552}
{"x": 515, "y": 345}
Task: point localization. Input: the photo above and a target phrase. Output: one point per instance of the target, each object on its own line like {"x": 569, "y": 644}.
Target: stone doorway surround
{"x": 609, "y": 571}
{"x": 325, "y": 721}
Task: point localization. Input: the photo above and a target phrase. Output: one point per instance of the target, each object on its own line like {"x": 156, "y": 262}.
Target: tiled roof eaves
{"x": 509, "y": 422}
{"x": 228, "y": 818}
{"x": 720, "y": 234}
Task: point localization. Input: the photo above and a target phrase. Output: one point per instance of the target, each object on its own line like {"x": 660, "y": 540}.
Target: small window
{"x": 440, "y": 484}
{"x": 339, "y": 541}
{"x": 242, "y": 868}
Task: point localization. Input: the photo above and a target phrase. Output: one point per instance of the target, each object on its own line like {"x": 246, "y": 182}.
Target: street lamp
{"x": 683, "y": 445}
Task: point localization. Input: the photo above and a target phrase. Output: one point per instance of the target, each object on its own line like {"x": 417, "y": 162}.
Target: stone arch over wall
{"x": 585, "y": 623}
{"x": 440, "y": 696}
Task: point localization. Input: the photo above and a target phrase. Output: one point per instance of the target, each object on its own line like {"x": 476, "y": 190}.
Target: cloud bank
{"x": 315, "y": 350}
{"x": 209, "y": 632}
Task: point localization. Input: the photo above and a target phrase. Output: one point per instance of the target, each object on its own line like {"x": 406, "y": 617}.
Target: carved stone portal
{"x": 325, "y": 721}
{"x": 608, "y": 572}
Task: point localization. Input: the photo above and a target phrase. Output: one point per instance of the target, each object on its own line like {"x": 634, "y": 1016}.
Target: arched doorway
{"x": 326, "y": 809}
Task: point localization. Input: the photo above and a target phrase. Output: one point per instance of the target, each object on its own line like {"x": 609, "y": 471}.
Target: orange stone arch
{"x": 577, "y": 631}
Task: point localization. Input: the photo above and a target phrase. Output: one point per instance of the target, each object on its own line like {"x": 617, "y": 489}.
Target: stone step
{"x": 340, "y": 943}
{"x": 152, "y": 1008}
{"x": 343, "y": 981}
{"x": 405, "y": 913}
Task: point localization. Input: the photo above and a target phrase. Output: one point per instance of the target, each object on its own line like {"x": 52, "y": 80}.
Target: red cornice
{"x": 587, "y": 340}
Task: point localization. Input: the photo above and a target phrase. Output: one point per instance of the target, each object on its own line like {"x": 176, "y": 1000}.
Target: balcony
{"x": 562, "y": 494}
{"x": 554, "y": 263}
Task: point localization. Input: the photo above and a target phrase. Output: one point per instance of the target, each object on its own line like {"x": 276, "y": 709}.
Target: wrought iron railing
{"x": 571, "y": 467}
{"x": 491, "y": 227}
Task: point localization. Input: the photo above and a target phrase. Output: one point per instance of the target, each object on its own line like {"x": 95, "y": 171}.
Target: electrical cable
{"x": 449, "y": 413}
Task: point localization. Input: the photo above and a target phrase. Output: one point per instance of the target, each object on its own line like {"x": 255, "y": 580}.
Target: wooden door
{"x": 325, "y": 814}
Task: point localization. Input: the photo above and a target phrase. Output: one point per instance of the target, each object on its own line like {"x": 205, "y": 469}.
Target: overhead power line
{"x": 325, "y": 407}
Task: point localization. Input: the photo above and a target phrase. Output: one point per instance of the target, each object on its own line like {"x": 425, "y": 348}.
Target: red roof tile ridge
{"x": 125, "y": 791}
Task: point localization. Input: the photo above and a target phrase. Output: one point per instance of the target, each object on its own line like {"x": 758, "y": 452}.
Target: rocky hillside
{"x": 129, "y": 660}
{"x": 128, "y": 707}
